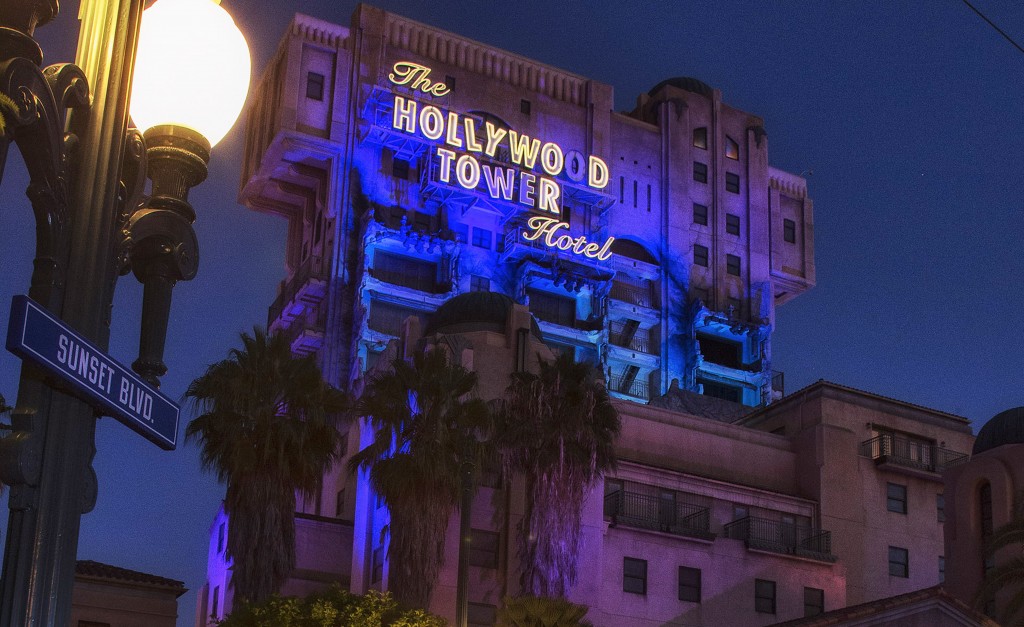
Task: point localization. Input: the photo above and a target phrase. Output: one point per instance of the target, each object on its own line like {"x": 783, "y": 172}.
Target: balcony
{"x": 387, "y": 319}
{"x": 644, "y": 511}
{"x": 634, "y": 339}
{"x": 305, "y": 333}
{"x": 416, "y": 275}
{"x": 781, "y": 537}
{"x": 910, "y": 453}
{"x": 629, "y": 387}
{"x": 306, "y": 288}
{"x": 641, "y": 295}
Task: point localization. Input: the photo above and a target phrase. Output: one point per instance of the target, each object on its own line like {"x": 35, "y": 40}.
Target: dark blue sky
{"x": 907, "y": 112}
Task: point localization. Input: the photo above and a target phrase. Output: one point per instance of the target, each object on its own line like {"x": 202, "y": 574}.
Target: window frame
{"x": 733, "y": 262}
{"x": 899, "y": 562}
{"x": 476, "y": 235}
{"x": 691, "y": 587}
{"x": 764, "y": 603}
{"x": 701, "y": 252}
{"x": 812, "y": 608}
{"x": 732, "y": 183}
{"x": 732, "y": 149}
{"x": 700, "y": 137}
{"x": 700, "y": 216}
{"x": 732, "y": 224}
{"x": 896, "y": 503}
{"x": 484, "y": 556}
{"x": 789, "y": 230}
{"x": 700, "y": 172}
{"x": 640, "y": 578}
{"x": 315, "y": 84}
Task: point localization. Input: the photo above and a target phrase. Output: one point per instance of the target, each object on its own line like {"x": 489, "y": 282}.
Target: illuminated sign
{"x": 502, "y": 163}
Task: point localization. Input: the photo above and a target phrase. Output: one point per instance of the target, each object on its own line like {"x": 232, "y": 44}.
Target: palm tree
{"x": 532, "y": 611}
{"x": 426, "y": 423}
{"x": 1007, "y": 575}
{"x": 266, "y": 429}
{"x": 558, "y": 430}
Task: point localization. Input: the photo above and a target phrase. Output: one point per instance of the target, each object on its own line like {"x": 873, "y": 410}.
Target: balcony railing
{"x": 644, "y": 511}
{"x": 422, "y": 279}
{"x": 641, "y": 295}
{"x": 911, "y": 453}
{"x": 640, "y": 341}
{"x": 306, "y": 287}
{"x": 305, "y": 333}
{"x": 782, "y": 537}
{"x": 388, "y": 320}
{"x": 635, "y": 388}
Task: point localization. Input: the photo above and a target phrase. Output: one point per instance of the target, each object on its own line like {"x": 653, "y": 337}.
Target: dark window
{"x": 764, "y": 596}
{"x": 613, "y": 497}
{"x": 377, "y": 568}
{"x": 634, "y": 575}
{"x": 483, "y": 548}
{"x": 689, "y": 584}
{"x": 339, "y": 503}
{"x": 789, "y": 231}
{"x": 700, "y": 137}
{"x": 92, "y": 623}
{"x": 220, "y": 538}
{"x": 524, "y": 106}
{"x": 461, "y": 232}
{"x": 634, "y": 193}
{"x": 648, "y": 197}
{"x": 732, "y": 265}
{"x": 622, "y": 188}
{"x": 700, "y": 214}
{"x": 553, "y": 309}
{"x": 739, "y": 512}
{"x": 700, "y": 172}
{"x": 732, "y": 149}
{"x": 215, "y": 602}
{"x": 732, "y": 182}
{"x": 479, "y": 284}
{"x": 721, "y": 390}
{"x": 482, "y": 238}
{"x": 400, "y": 169}
{"x": 942, "y": 569}
{"x": 814, "y": 601}
{"x": 732, "y": 224}
{"x": 899, "y": 562}
{"x": 940, "y": 507}
{"x": 704, "y": 294}
{"x": 449, "y": 81}
{"x": 422, "y": 222}
{"x": 700, "y": 255}
{"x": 481, "y": 615}
{"x": 896, "y": 498}
{"x": 314, "y": 86}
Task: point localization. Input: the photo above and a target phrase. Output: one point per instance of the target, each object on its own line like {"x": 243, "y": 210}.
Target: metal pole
{"x": 45, "y": 516}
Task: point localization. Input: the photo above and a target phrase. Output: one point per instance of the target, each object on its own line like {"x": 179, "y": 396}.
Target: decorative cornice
{"x": 318, "y": 31}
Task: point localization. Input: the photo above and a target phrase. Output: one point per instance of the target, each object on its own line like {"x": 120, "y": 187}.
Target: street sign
{"x": 37, "y": 335}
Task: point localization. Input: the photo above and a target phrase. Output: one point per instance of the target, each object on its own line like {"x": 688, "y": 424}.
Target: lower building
{"x": 109, "y": 596}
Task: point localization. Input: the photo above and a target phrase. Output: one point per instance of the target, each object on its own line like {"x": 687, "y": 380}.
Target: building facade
{"x": 442, "y": 192}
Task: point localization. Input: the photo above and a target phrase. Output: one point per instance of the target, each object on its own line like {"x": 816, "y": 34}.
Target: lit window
{"x": 524, "y": 106}
{"x": 700, "y": 137}
{"x": 400, "y": 169}
{"x": 814, "y": 601}
{"x": 481, "y": 615}
{"x": 732, "y": 265}
{"x": 689, "y": 584}
{"x": 940, "y": 507}
{"x": 732, "y": 149}
{"x": 700, "y": 255}
{"x": 483, "y": 548}
{"x": 789, "y": 231}
{"x": 732, "y": 182}
{"x": 764, "y": 596}
{"x": 479, "y": 284}
{"x": 732, "y": 224}
{"x": 481, "y": 238}
{"x": 634, "y": 575}
{"x": 700, "y": 214}
{"x": 314, "y": 86}
{"x": 700, "y": 172}
{"x": 899, "y": 562}
{"x": 896, "y": 498}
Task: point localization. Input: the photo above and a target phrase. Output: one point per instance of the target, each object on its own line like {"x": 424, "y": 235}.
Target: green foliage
{"x": 531, "y": 611}
{"x": 332, "y": 608}
{"x": 266, "y": 428}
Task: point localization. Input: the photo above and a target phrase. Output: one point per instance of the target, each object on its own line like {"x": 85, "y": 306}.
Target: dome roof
{"x": 687, "y": 83}
{"x": 1005, "y": 428}
{"x": 474, "y": 311}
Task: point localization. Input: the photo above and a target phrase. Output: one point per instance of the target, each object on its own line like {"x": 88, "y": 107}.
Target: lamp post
{"x": 88, "y": 172}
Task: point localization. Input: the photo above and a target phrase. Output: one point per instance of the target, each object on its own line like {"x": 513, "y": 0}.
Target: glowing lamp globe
{"x": 191, "y": 70}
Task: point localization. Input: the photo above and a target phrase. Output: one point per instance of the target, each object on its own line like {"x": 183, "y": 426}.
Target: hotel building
{"x": 438, "y": 190}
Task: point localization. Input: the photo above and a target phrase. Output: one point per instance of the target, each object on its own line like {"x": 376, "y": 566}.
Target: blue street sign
{"x": 37, "y": 335}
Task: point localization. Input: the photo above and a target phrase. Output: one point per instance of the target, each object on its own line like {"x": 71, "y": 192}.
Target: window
{"x": 732, "y": 149}
{"x": 732, "y": 224}
{"x": 899, "y": 562}
{"x": 220, "y": 538}
{"x": 940, "y": 507}
{"x": 700, "y": 172}
{"x": 739, "y": 512}
{"x": 481, "y": 615}
{"x": 481, "y": 238}
{"x": 483, "y": 548}
{"x": 479, "y": 284}
{"x": 400, "y": 169}
{"x": 764, "y": 596}
{"x": 339, "y": 503}
{"x": 789, "y": 231}
{"x": 732, "y": 265}
{"x": 634, "y": 193}
{"x": 942, "y": 569}
{"x": 700, "y": 138}
{"x": 648, "y": 197}
{"x": 314, "y": 86}
{"x": 215, "y": 602}
{"x": 700, "y": 255}
{"x": 613, "y": 497}
{"x": 704, "y": 294}
{"x": 735, "y": 307}
{"x": 92, "y": 623}
{"x": 689, "y": 584}
{"x": 700, "y": 214}
{"x": 377, "y": 567}
{"x": 634, "y": 575}
{"x": 732, "y": 182}
{"x": 449, "y": 81}
{"x": 622, "y": 188}
{"x": 814, "y": 601}
{"x": 524, "y": 106}
{"x": 896, "y": 498}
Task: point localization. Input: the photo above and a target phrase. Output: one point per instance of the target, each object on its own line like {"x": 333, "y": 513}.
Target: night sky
{"x": 904, "y": 115}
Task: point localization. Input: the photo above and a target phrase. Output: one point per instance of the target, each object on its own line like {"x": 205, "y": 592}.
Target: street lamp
{"x": 88, "y": 171}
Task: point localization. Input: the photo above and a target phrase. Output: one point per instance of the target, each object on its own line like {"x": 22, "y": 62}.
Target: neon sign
{"x": 467, "y": 155}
